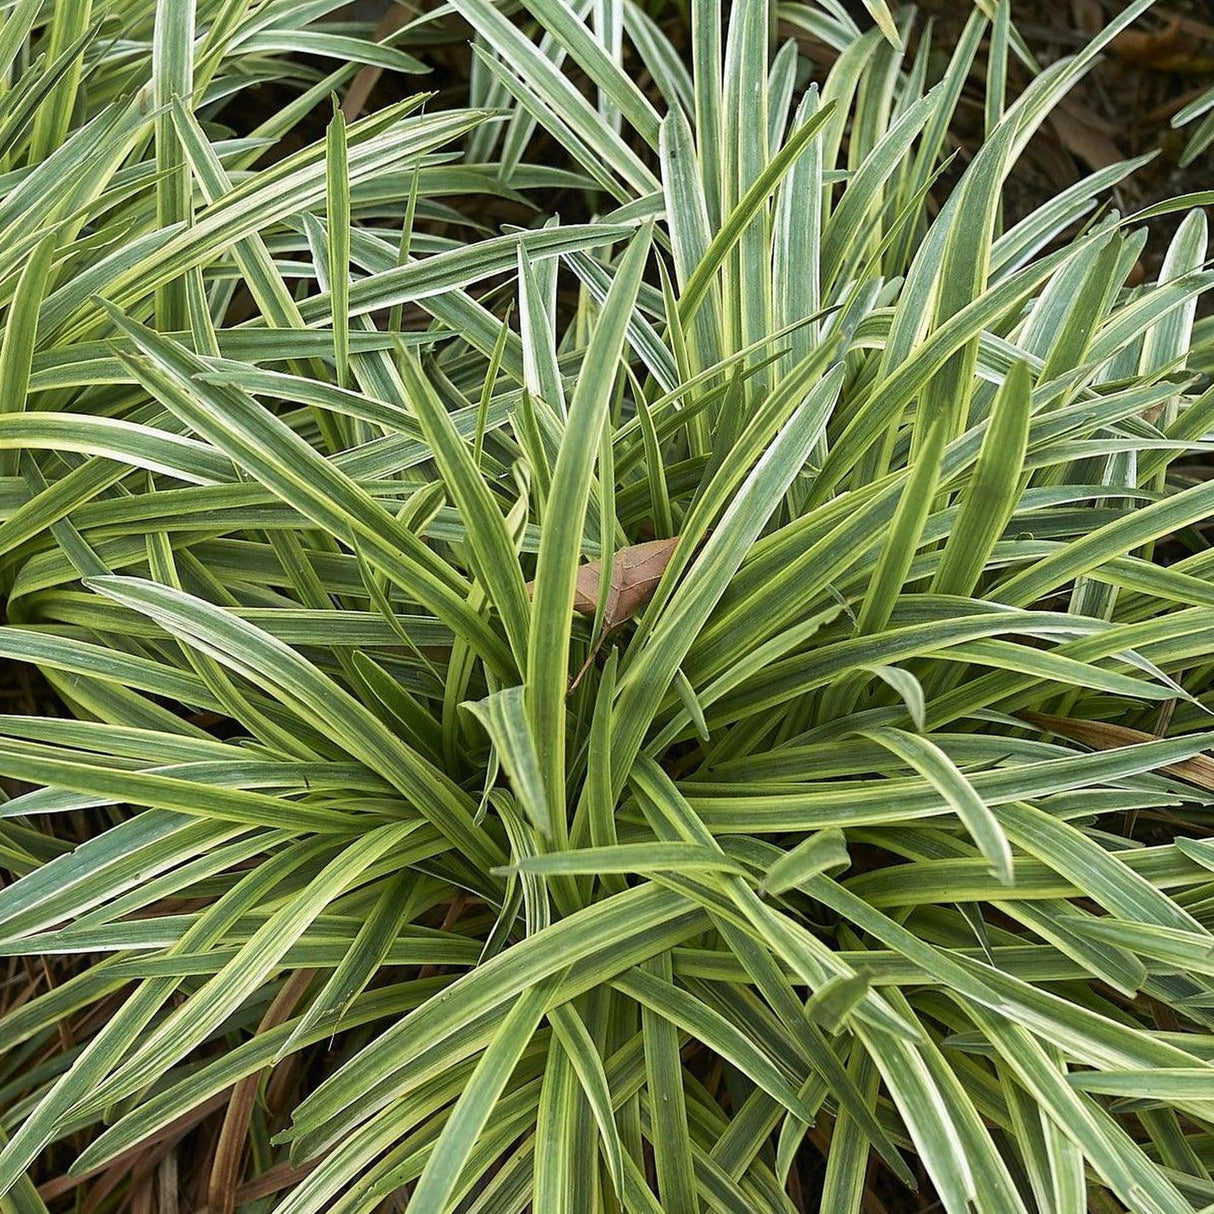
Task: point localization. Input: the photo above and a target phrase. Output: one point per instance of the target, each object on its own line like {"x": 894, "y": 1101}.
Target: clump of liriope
{"x": 658, "y": 713}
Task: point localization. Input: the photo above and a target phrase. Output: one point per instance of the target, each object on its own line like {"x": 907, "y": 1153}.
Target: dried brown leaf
{"x": 229, "y": 1152}
{"x": 115, "y": 1169}
{"x": 167, "y": 1196}
{"x": 1085, "y": 135}
{"x": 364, "y": 83}
{"x": 635, "y": 573}
{"x": 1101, "y": 735}
{"x": 1167, "y": 50}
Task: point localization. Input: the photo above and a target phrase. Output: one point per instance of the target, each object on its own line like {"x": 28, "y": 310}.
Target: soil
{"x": 1122, "y": 108}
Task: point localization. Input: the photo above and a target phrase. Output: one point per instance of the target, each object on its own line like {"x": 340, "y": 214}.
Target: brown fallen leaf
{"x": 1156, "y": 49}
{"x": 1085, "y": 135}
{"x": 362, "y": 85}
{"x": 1100, "y": 735}
{"x": 635, "y": 573}
{"x": 167, "y": 1138}
{"x": 224, "y": 1182}
{"x": 1183, "y": 46}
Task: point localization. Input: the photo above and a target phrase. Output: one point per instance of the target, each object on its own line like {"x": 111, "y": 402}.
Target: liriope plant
{"x": 699, "y": 706}
{"x": 1199, "y": 111}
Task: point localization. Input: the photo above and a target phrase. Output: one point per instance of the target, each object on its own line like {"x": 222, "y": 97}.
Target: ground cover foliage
{"x": 692, "y": 699}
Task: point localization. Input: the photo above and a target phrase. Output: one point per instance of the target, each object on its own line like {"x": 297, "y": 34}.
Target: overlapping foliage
{"x": 865, "y": 822}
